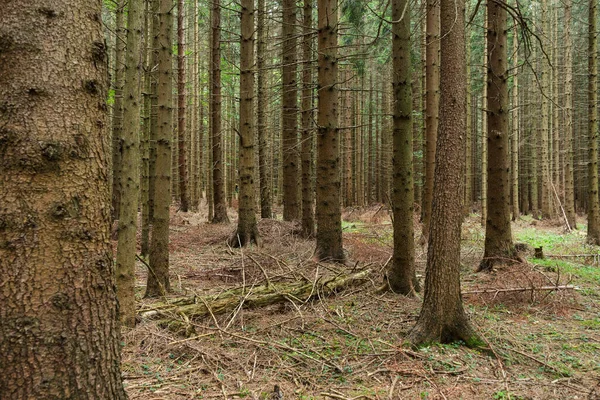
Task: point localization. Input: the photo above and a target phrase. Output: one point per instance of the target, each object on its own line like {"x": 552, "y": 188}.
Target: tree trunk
{"x": 264, "y": 144}
{"x": 117, "y": 122}
{"x": 147, "y": 126}
{"x": 59, "y": 335}
{"x": 291, "y": 205}
{"x": 568, "y": 118}
{"x": 158, "y": 276}
{"x": 515, "y": 128}
{"x": 130, "y": 165}
{"x": 181, "y": 131}
{"x": 498, "y": 233}
{"x": 402, "y": 276}
{"x": 308, "y": 214}
{"x": 432, "y": 104}
{"x": 328, "y": 213}
{"x": 247, "y": 231}
{"x": 593, "y": 204}
{"x": 484, "y": 125}
{"x": 442, "y": 317}
{"x": 544, "y": 162}
{"x": 217, "y": 166}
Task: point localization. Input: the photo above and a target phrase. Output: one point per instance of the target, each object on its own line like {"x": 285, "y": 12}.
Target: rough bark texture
{"x": 328, "y": 213}
{"x": 484, "y": 128}
{"x": 181, "y": 111}
{"x": 264, "y": 144}
{"x": 117, "y": 117}
{"x": 401, "y": 276}
{"x": 515, "y": 129}
{"x": 593, "y": 204}
{"x": 218, "y": 167}
{"x": 498, "y": 234}
{"x": 308, "y": 197}
{"x": 247, "y": 231}
{"x": 568, "y": 119}
{"x": 432, "y": 104}
{"x": 158, "y": 276}
{"x": 59, "y": 334}
{"x": 291, "y": 187}
{"x": 130, "y": 165}
{"x": 442, "y": 317}
{"x": 545, "y": 196}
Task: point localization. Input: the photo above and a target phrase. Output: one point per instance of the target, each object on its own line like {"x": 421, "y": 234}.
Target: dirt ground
{"x": 545, "y": 344}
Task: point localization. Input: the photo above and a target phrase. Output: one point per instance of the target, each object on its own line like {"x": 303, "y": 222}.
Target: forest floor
{"x": 350, "y": 345}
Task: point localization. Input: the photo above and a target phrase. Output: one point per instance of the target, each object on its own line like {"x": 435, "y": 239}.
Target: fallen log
{"x": 253, "y": 297}
{"x": 521, "y": 289}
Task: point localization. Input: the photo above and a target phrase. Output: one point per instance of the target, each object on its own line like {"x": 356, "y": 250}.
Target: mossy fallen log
{"x": 252, "y": 297}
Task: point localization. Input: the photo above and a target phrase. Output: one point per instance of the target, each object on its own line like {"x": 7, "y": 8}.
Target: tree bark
{"x": 218, "y": 167}
{"x": 264, "y": 145}
{"x": 593, "y": 204}
{"x": 247, "y": 231}
{"x": 130, "y": 165}
{"x": 498, "y": 234}
{"x": 442, "y": 317}
{"x": 158, "y": 277}
{"x": 291, "y": 205}
{"x": 402, "y": 276}
{"x": 515, "y": 129}
{"x": 181, "y": 111}
{"x": 569, "y": 205}
{"x": 328, "y": 213}
{"x": 117, "y": 122}
{"x": 308, "y": 214}
{"x": 59, "y": 335}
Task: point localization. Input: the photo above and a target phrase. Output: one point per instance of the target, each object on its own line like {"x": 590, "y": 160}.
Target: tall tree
{"x": 498, "y": 234}
{"x": 59, "y": 335}
{"x": 568, "y": 118}
{"x": 442, "y": 317}
{"x": 247, "y": 231}
{"x": 514, "y": 170}
{"x": 181, "y": 110}
{"x": 218, "y": 167}
{"x": 130, "y": 164}
{"x": 328, "y": 211}
{"x": 308, "y": 214}
{"x": 117, "y": 117}
{"x": 593, "y": 204}
{"x": 289, "y": 102}
{"x": 545, "y": 196}
{"x": 432, "y": 104}
{"x": 158, "y": 277}
{"x": 402, "y": 277}
{"x": 261, "y": 114}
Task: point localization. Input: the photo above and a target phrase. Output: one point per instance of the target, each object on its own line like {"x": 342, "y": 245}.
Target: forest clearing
{"x": 543, "y": 343}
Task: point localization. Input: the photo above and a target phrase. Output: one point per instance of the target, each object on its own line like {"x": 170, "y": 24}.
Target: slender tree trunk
{"x": 442, "y": 317}
{"x": 158, "y": 277}
{"x": 593, "y": 204}
{"x": 264, "y": 144}
{"x": 568, "y": 118}
{"x": 291, "y": 205}
{"x": 544, "y": 162}
{"x": 247, "y": 231}
{"x": 432, "y": 94}
{"x": 498, "y": 233}
{"x": 130, "y": 165}
{"x": 468, "y": 140}
{"x": 59, "y": 330}
{"x": 181, "y": 99}
{"x": 117, "y": 122}
{"x": 218, "y": 167}
{"x": 515, "y": 128}
{"x": 328, "y": 213}
{"x": 402, "y": 276}
{"x": 308, "y": 214}
{"x": 147, "y": 126}
{"x": 484, "y": 125}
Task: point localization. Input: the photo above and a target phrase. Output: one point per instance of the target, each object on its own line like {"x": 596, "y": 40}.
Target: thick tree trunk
{"x": 432, "y": 104}
{"x": 291, "y": 204}
{"x": 498, "y": 234}
{"x": 264, "y": 145}
{"x": 158, "y": 277}
{"x": 130, "y": 165}
{"x": 308, "y": 214}
{"x": 247, "y": 231}
{"x": 402, "y": 277}
{"x": 593, "y": 204}
{"x": 484, "y": 125}
{"x": 181, "y": 111}
{"x": 59, "y": 330}
{"x": 442, "y": 317}
{"x": 328, "y": 213}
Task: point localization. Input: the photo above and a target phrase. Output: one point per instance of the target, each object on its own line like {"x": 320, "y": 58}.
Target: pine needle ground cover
{"x": 543, "y": 343}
